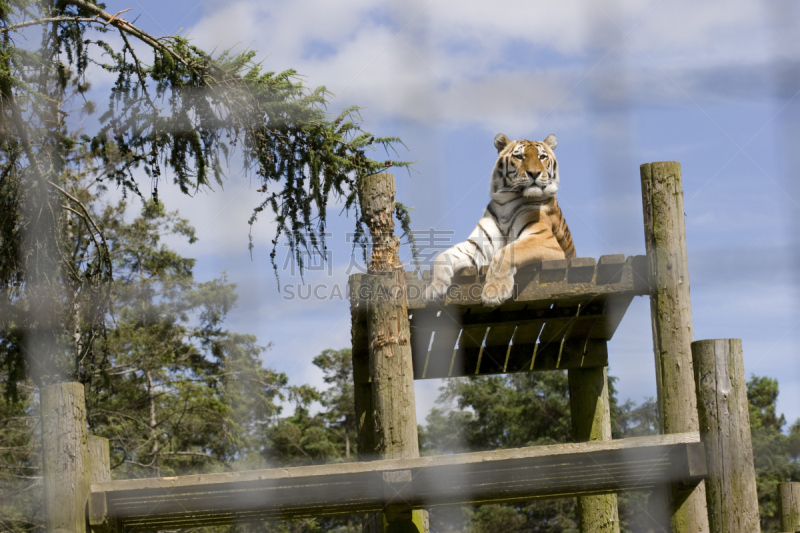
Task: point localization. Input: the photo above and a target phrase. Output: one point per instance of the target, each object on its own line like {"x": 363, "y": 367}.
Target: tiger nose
{"x": 534, "y": 175}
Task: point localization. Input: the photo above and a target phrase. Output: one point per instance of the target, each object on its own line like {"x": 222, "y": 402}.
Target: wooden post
{"x": 385, "y": 381}
{"x": 671, "y": 313}
{"x": 72, "y": 459}
{"x": 725, "y": 431}
{"x": 789, "y": 503}
{"x": 98, "y": 472}
{"x": 591, "y": 420}
{"x": 100, "y": 457}
{"x": 65, "y": 457}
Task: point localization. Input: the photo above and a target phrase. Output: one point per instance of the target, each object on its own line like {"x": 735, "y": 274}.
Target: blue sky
{"x": 621, "y": 83}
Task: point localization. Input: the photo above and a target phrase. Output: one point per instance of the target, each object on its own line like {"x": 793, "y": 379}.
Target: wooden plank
{"x": 609, "y": 269}
{"x": 520, "y": 356}
{"x": 589, "y": 313}
{"x": 554, "y": 280}
{"x": 581, "y": 270}
{"x": 442, "y": 351}
{"x": 510, "y": 475}
{"x": 614, "y": 308}
{"x": 547, "y": 323}
{"x": 495, "y": 350}
{"x": 423, "y": 322}
{"x": 530, "y": 313}
{"x": 467, "y": 357}
{"x": 551, "y": 356}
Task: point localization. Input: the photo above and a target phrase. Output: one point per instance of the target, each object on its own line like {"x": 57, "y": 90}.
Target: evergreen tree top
{"x": 181, "y": 116}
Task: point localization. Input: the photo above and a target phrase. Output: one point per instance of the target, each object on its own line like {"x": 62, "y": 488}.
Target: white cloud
{"x": 442, "y": 62}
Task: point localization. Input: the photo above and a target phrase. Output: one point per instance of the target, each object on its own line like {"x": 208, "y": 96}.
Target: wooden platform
{"x": 484, "y": 477}
{"x": 560, "y": 317}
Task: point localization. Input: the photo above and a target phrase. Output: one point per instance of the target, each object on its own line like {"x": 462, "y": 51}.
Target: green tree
{"x": 20, "y": 475}
{"x": 328, "y": 436}
{"x": 185, "y": 113}
{"x": 492, "y": 412}
{"x": 775, "y": 453}
{"x": 526, "y": 409}
{"x": 176, "y": 392}
{"x": 172, "y": 389}
{"x": 338, "y": 400}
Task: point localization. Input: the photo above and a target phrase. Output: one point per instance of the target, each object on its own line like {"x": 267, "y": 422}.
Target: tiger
{"x": 522, "y": 224}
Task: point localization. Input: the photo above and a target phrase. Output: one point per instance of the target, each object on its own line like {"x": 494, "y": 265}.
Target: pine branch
{"x": 86, "y": 217}
{"x": 124, "y": 25}
{"x": 22, "y": 131}
{"x": 42, "y": 21}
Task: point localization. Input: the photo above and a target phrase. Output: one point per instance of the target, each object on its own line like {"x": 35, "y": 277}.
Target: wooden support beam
{"x": 386, "y": 404}
{"x": 519, "y": 357}
{"x": 725, "y": 431}
{"x": 99, "y": 472}
{"x": 579, "y": 278}
{"x": 590, "y": 411}
{"x": 518, "y": 474}
{"x": 671, "y": 311}
{"x": 73, "y": 459}
{"x": 452, "y": 341}
{"x": 789, "y": 505}
{"x": 64, "y": 440}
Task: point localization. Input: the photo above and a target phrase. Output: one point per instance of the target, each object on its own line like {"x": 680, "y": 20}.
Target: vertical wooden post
{"x": 591, "y": 420}
{"x": 99, "y": 471}
{"x": 725, "y": 430}
{"x": 362, "y": 392}
{"x": 789, "y": 503}
{"x": 385, "y": 381}
{"x": 72, "y": 459}
{"x": 100, "y": 460}
{"x": 671, "y": 313}
{"x": 65, "y": 457}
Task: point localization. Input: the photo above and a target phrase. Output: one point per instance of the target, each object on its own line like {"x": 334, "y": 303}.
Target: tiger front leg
{"x": 445, "y": 266}
{"x": 531, "y": 248}
{"x": 499, "y": 285}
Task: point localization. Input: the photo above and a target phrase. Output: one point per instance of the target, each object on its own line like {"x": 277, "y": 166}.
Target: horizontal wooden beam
{"x": 562, "y": 470}
{"x": 578, "y": 278}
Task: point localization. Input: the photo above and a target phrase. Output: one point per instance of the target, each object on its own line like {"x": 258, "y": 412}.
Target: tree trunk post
{"x": 99, "y": 471}
{"x": 72, "y": 459}
{"x": 789, "y": 504}
{"x": 671, "y": 314}
{"x": 65, "y": 457}
{"x": 725, "y": 430}
{"x": 382, "y": 367}
{"x": 591, "y": 420}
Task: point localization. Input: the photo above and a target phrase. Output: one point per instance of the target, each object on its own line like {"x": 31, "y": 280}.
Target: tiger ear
{"x": 551, "y": 141}
{"x": 500, "y": 142}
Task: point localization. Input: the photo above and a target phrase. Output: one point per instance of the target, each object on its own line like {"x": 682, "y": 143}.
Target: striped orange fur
{"x": 522, "y": 224}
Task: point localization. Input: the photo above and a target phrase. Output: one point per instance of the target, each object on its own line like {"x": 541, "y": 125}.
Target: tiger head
{"x": 527, "y": 168}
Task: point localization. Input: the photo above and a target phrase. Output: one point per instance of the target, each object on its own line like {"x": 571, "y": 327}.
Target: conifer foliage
{"x": 168, "y": 384}
{"x": 175, "y": 113}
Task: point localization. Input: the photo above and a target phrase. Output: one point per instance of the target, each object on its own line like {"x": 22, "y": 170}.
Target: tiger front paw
{"x": 497, "y": 290}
